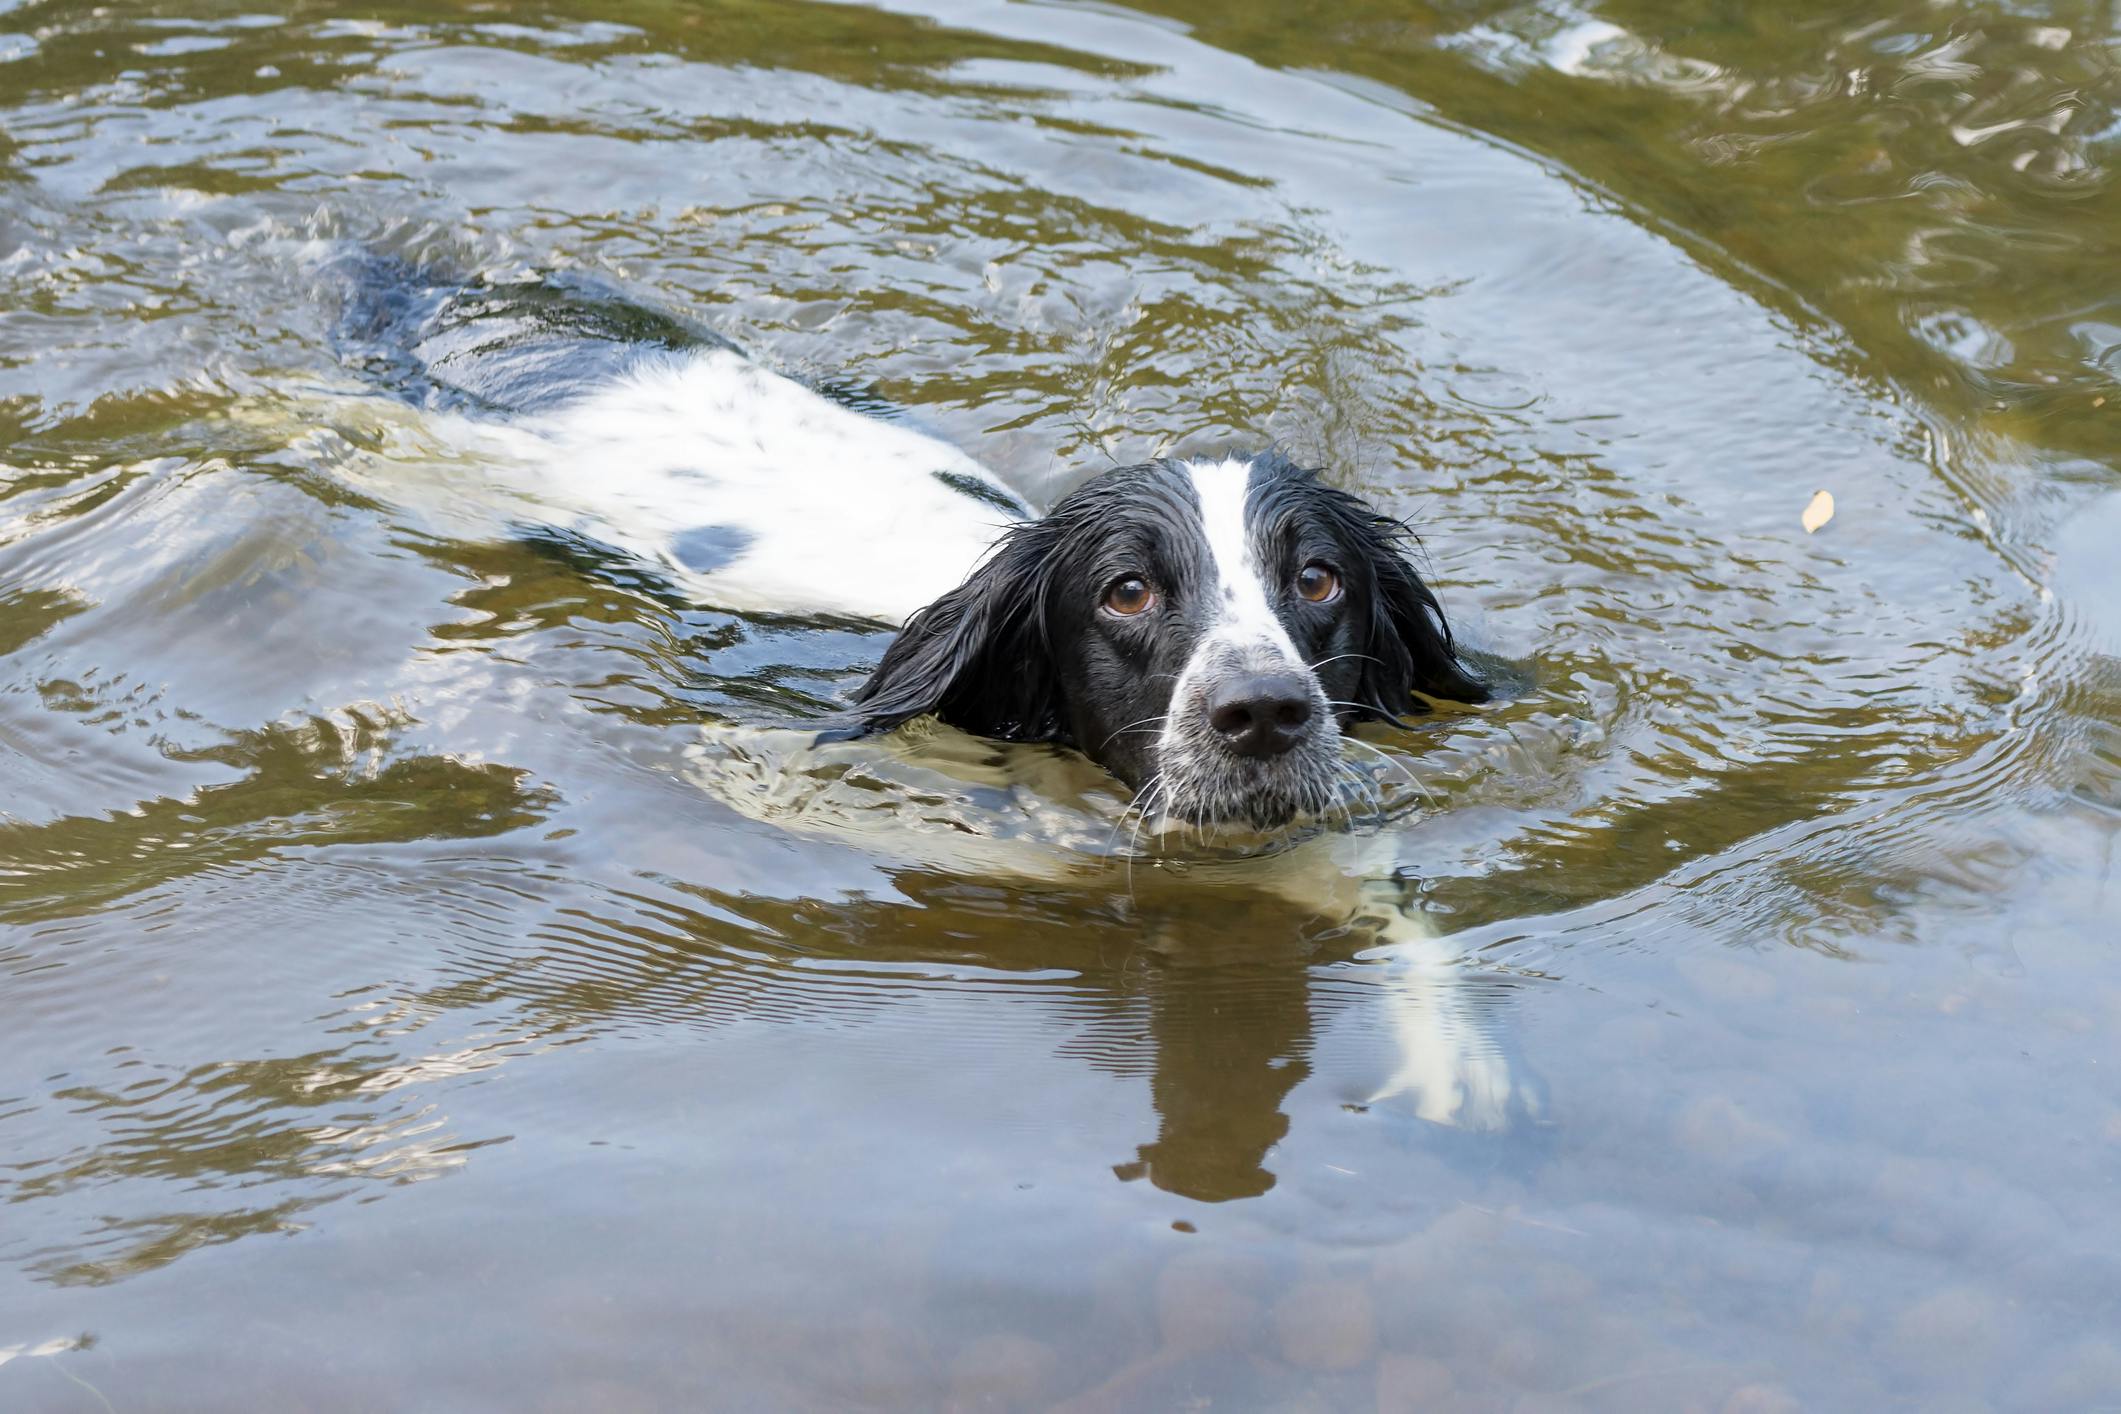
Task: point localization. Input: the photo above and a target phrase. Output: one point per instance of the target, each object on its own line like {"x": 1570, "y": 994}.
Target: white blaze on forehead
{"x": 1243, "y": 614}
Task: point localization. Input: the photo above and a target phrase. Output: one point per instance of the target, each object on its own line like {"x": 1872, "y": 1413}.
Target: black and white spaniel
{"x": 1204, "y": 629}
{"x": 1201, "y": 628}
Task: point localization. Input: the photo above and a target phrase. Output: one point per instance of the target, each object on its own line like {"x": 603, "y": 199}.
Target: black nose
{"x": 1263, "y": 715}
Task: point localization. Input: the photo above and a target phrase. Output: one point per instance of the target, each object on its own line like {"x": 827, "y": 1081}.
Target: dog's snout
{"x": 1261, "y": 715}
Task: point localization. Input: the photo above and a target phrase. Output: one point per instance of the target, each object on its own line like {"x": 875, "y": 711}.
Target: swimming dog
{"x": 1205, "y": 629}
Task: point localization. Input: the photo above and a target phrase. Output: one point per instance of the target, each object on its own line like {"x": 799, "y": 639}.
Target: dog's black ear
{"x": 1410, "y": 648}
{"x": 978, "y": 657}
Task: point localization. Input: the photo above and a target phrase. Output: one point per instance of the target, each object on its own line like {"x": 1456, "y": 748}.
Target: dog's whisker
{"x": 1365, "y": 792}
{"x": 1125, "y": 811}
{"x": 1345, "y": 771}
{"x": 1133, "y": 726}
{"x": 1337, "y": 657}
{"x": 1398, "y": 765}
{"x": 1145, "y": 797}
{"x": 1154, "y": 789}
{"x": 1140, "y": 801}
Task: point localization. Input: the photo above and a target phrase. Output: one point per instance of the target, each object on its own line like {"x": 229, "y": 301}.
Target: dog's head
{"x": 1202, "y": 629}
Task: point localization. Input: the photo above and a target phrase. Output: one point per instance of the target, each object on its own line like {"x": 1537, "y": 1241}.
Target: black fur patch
{"x": 1022, "y": 651}
{"x": 494, "y": 347}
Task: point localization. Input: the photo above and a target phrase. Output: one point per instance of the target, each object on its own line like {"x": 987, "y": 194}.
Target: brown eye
{"x": 1317, "y": 583}
{"x": 1129, "y": 596}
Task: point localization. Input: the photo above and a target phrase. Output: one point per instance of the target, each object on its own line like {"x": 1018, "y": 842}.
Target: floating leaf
{"x": 1819, "y": 512}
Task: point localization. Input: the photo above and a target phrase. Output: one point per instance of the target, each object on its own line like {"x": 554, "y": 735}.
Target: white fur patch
{"x": 1244, "y": 617}
{"x": 1241, "y": 623}
{"x": 813, "y": 508}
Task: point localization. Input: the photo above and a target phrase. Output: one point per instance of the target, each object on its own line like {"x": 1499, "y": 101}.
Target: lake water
{"x": 432, "y": 978}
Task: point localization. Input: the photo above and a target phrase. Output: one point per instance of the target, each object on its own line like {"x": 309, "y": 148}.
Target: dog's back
{"x": 636, "y": 430}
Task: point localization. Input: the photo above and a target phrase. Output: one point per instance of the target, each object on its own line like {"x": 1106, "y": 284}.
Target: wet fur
{"x": 1020, "y": 650}
{"x": 636, "y": 434}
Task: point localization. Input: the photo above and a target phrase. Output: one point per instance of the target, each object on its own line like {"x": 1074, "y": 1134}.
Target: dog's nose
{"x": 1263, "y": 715}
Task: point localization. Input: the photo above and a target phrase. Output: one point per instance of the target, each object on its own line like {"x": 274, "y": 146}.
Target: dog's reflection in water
{"x": 1223, "y": 943}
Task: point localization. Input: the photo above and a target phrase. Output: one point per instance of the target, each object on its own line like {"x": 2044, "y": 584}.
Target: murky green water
{"x": 400, "y": 1007}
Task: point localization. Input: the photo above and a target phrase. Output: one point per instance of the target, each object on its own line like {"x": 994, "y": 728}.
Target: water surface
{"x": 405, "y": 1007}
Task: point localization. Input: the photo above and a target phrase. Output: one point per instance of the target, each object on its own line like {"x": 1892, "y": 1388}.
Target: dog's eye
{"x": 1318, "y": 583}
{"x": 1129, "y": 595}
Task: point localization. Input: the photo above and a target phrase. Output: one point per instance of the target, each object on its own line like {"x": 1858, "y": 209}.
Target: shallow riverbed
{"x": 433, "y": 975}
